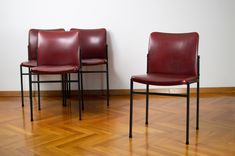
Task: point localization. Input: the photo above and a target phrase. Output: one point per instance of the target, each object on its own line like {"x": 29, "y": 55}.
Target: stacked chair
{"x": 52, "y": 52}
{"x": 32, "y": 59}
{"x": 94, "y": 52}
{"x": 57, "y": 53}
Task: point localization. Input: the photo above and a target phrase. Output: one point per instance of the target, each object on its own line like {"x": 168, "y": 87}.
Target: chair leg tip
{"x": 187, "y": 142}
{"x": 130, "y": 136}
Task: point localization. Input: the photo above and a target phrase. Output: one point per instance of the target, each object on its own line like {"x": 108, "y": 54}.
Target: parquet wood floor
{"x": 103, "y": 131}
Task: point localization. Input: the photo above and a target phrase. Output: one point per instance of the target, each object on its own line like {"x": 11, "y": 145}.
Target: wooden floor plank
{"x": 103, "y": 131}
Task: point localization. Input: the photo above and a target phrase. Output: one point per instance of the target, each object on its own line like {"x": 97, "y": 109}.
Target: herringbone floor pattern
{"x": 103, "y": 131}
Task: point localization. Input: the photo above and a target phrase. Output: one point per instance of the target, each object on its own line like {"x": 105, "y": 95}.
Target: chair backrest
{"x": 33, "y": 41}
{"x": 92, "y": 43}
{"x": 57, "y": 48}
{"x": 173, "y": 53}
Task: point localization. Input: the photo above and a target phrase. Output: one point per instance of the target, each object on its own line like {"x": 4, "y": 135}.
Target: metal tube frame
{"x": 147, "y": 104}
{"x": 97, "y": 71}
{"x": 22, "y": 85}
{"x": 198, "y": 93}
{"x": 131, "y": 109}
{"x": 39, "y": 103}
{"x": 79, "y": 96}
{"x": 187, "y": 95}
{"x": 187, "y": 114}
{"x": 64, "y": 81}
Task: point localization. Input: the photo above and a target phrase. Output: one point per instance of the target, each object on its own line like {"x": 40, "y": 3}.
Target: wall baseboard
{"x": 211, "y": 90}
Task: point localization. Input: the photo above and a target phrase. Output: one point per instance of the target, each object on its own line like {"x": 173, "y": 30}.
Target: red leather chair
{"x": 172, "y": 60}
{"x": 58, "y": 53}
{"x": 32, "y": 57}
{"x": 94, "y": 52}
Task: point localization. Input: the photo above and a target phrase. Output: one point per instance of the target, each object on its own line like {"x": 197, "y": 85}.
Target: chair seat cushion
{"x": 55, "y": 69}
{"x": 92, "y": 62}
{"x": 163, "y": 79}
{"x": 30, "y": 63}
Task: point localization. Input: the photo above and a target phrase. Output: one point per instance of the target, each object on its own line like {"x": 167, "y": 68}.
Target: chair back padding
{"x": 56, "y": 48}
{"x": 33, "y": 41}
{"x": 92, "y": 43}
{"x": 173, "y": 53}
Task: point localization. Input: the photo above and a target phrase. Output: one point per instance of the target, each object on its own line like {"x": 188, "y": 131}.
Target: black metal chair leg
{"x": 187, "y": 114}
{"x": 69, "y": 86}
{"x": 147, "y": 104}
{"x": 22, "y": 88}
{"x": 63, "y": 89}
{"x": 198, "y": 93}
{"x": 79, "y": 97}
{"x": 67, "y": 82}
{"x": 82, "y": 91}
{"x": 107, "y": 79}
{"x": 131, "y": 109}
{"x": 197, "y": 122}
{"x": 30, "y": 95}
{"x": 66, "y": 86}
{"x": 39, "y": 103}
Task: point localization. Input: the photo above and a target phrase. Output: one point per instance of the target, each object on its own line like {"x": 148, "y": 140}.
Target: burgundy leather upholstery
{"x": 56, "y": 69}
{"x": 93, "y": 45}
{"x": 58, "y": 52}
{"x": 91, "y": 62}
{"x": 30, "y": 63}
{"x": 33, "y": 39}
{"x": 171, "y": 60}
{"x": 32, "y": 46}
{"x": 163, "y": 79}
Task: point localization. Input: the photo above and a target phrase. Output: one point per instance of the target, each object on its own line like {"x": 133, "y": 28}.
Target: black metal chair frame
{"x": 65, "y": 87}
{"x": 64, "y": 83}
{"x": 22, "y": 86}
{"x": 187, "y": 95}
{"x": 96, "y": 71}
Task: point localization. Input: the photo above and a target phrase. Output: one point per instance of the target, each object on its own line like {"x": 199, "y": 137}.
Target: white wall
{"x": 129, "y": 23}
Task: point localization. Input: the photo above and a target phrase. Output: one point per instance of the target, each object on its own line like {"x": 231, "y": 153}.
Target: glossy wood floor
{"x": 103, "y": 131}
